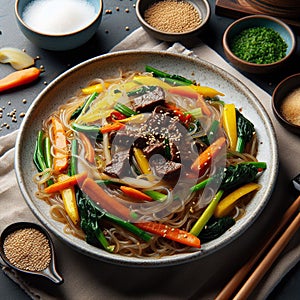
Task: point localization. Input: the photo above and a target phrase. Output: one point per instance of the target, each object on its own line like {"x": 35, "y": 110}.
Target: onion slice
{"x": 17, "y": 58}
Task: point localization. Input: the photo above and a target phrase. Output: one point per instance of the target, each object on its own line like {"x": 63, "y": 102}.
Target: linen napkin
{"x": 86, "y": 278}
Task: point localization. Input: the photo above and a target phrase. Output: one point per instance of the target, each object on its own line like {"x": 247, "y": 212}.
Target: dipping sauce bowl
{"x": 28, "y": 248}
{"x": 59, "y": 41}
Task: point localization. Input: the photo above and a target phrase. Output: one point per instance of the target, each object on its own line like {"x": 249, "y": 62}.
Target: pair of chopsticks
{"x": 266, "y": 262}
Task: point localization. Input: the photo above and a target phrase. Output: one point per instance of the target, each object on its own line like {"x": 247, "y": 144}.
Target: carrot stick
{"x": 67, "y": 183}
{"x": 88, "y": 148}
{"x": 111, "y": 127}
{"x": 108, "y": 203}
{"x": 171, "y": 233}
{"x": 203, "y": 161}
{"x": 60, "y": 160}
{"x": 19, "y": 78}
{"x": 134, "y": 193}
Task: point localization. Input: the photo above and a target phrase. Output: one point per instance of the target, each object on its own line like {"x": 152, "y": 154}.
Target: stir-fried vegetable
{"x": 229, "y": 124}
{"x": 91, "y": 216}
{"x": 77, "y": 179}
{"x": 134, "y": 193}
{"x": 233, "y": 176}
{"x": 203, "y": 161}
{"x": 171, "y": 233}
{"x": 215, "y": 228}
{"x": 81, "y": 109}
{"x": 226, "y": 205}
{"x": 110, "y": 204}
{"x": 60, "y": 160}
{"x": 69, "y": 199}
{"x": 206, "y": 215}
{"x": 245, "y": 131}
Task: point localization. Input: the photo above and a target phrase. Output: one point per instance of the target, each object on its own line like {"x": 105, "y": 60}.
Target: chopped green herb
{"x": 260, "y": 45}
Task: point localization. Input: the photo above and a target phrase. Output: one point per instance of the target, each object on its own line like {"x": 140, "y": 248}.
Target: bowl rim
{"x": 292, "y": 126}
{"x": 174, "y": 34}
{"x": 94, "y": 20}
{"x": 259, "y": 16}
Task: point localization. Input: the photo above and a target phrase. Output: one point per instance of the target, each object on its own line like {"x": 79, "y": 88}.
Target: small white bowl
{"x": 202, "y": 7}
{"x": 59, "y": 42}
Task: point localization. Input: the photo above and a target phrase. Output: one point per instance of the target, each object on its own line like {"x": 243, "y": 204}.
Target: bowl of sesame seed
{"x": 173, "y": 20}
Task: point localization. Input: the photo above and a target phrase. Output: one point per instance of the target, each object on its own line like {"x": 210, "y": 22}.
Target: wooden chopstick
{"x": 250, "y": 284}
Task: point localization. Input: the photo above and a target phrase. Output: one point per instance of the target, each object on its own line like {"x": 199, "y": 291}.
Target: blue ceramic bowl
{"x": 59, "y": 42}
{"x": 258, "y": 21}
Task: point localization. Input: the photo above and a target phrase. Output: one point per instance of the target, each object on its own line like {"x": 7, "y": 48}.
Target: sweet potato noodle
{"x": 139, "y": 138}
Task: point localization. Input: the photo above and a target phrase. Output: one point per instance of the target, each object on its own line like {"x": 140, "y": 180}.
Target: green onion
{"x": 125, "y": 110}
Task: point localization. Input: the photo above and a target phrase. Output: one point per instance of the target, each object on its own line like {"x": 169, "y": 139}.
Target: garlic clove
{"x": 17, "y": 58}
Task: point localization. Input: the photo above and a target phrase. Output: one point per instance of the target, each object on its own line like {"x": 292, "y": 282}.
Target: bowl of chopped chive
{"x": 173, "y": 20}
{"x": 286, "y": 103}
{"x": 258, "y": 44}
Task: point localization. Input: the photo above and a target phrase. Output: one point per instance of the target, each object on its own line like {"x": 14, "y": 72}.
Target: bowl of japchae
{"x": 150, "y": 155}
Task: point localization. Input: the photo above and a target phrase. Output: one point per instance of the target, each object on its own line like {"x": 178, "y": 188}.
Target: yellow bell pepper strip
{"x": 142, "y": 161}
{"x": 226, "y": 205}
{"x": 105, "y": 201}
{"x": 69, "y": 200}
{"x": 88, "y": 148}
{"x": 202, "y": 162}
{"x": 19, "y": 78}
{"x": 134, "y": 193}
{"x": 207, "y": 91}
{"x": 60, "y": 159}
{"x": 174, "y": 234}
{"x": 136, "y": 119}
{"x": 229, "y": 124}
{"x": 64, "y": 184}
{"x": 149, "y": 80}
{"x": 95, "y": 88}
{"x": 206, "y": 215}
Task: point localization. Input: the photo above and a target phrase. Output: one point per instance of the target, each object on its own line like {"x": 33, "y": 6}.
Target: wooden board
{"x": 240, "y": 8}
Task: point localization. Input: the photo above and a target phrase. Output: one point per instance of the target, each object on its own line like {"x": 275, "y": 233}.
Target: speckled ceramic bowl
{"x": 59, "y": 42}
{"x": 258, "y": 21}
{"x": 56, "y": 93}
{"x": 202, "y": 7}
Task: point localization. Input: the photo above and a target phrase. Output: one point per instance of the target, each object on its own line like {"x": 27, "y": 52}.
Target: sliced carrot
{"x": 134, "y": 193}
{"x": 19, "y": 78}
{"x": 107, "y": 202}
{"x": 171, "y": 233}
{"x": 88, "y": 148}
{"x": 202, "y": 162}
{"x": 64, "y": 184}
{"x": 60, "y": 160}
{"x": 111, "y": 127}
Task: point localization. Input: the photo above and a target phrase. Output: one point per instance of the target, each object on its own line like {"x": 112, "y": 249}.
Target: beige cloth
{"x": 86, "y": 278}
